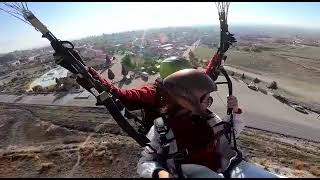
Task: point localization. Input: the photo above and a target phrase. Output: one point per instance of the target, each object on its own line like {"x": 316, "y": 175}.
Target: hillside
{"x": 52, "y": 141}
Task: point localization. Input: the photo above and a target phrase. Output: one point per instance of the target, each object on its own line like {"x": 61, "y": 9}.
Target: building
{"x": 14, "y": 63}
{"x": 49, "y": 78}
{"x": 168, "y": 48}
{"x": 166, "y": 45}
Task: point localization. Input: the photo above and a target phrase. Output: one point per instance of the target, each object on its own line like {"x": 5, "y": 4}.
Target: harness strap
{"x": 162, "y": 130}
{"x": 226, "y": 130}
{"x": 178, "y": 158}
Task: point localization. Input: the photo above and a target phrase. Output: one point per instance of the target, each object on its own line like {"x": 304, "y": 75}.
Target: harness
{"x": 164, "y": 155}
{"x": 179, "y": 157}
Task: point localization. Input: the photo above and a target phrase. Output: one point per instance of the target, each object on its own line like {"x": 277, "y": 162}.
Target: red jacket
{"x": 137, "y": 98}
{"x": 143, "y": 97}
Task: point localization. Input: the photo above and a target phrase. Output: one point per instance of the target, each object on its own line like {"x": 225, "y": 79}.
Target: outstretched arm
{"x": 132, "y": 98}
{"x": 212, "y": 65}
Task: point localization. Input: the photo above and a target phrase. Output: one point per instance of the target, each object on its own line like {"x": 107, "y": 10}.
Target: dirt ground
{"x": 286, "y": 156}
{"x": 52, "y": 141}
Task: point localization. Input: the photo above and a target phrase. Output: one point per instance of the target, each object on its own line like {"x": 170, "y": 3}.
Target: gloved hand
{"x": 164, "y": 174}
{"x": 84, "y": 83}
{"x": 95, "y": 74}
{"x": 59, "y": 59}
{"x": 232, "y": 102}
{"x": 62, "y": 61}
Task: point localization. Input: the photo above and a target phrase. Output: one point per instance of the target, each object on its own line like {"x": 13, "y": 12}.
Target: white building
{"x": 49, "y": 78}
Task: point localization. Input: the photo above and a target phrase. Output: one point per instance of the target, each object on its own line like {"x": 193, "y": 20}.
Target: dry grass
{"x": 266, "y": 150}
{"x": 299, "y": 165}
{"x": 204, "y": 53}
{"x": 272, "y": 63}
{"x": 315, "y": 170}
{"x": 106, "y": 153}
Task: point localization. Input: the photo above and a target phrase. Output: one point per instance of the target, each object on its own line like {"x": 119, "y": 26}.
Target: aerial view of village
{"x": 50, "y": 126}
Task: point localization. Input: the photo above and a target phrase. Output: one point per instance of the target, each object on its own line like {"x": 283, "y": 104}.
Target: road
{"x": 191, "y": 48}
{"x": 265, "y": 112}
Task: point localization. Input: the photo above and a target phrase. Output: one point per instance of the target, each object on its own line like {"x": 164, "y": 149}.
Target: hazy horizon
{"x": 235, "y": 26}
{"x": 77, "y": 20}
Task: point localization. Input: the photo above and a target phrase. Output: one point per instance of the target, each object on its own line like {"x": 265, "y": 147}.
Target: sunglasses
{"x": 209, "y": 101}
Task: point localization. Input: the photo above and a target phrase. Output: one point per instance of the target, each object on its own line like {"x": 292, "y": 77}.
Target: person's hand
{"x": 94, "y": 73}
{"x": 84, "y": 83}
{"x": 232, "y": 102}
{"x": 64, "y": 60}
{"x": 164, "y": 174}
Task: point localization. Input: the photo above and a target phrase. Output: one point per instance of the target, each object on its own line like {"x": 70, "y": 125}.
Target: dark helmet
{"x": 187, "y": 87}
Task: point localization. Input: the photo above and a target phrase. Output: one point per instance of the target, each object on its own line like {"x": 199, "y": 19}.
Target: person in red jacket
{"x": 186, "y": 106}
{"x": 149, "y": 97}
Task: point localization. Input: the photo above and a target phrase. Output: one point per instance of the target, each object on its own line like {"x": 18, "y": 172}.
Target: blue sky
{"x": 74, "y": 20}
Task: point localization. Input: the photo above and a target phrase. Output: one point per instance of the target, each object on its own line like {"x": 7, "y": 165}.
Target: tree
{"x": 37, "y": 88}
{"x": 108, "y": 61}
{"x": 14, "y": 79}
{"x": 246, "y": 49}
{"x": 124, "y": 70}
{"x": 243, "y": 76}
{"x": 58, "y": 82}
{"x": 110, "y": 74}
{"x": 126, "y": 60}
{"x": 273, "y": 85}
{"x": 257, "y": 49}
{"x": 150, "y": 65}
{"x": 256, "y": 80}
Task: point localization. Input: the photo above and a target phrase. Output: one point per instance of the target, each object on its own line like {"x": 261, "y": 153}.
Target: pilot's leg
{"x": 248, "y": 170}
{"x": 198, "y": 171}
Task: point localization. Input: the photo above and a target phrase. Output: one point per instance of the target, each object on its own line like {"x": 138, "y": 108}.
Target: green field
{"x": 204, "y": 53}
